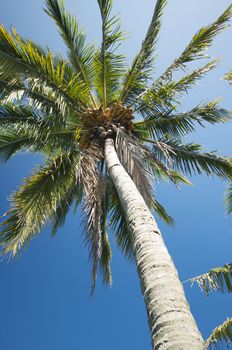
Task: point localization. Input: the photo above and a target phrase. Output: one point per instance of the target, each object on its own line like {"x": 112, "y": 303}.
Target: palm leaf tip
{"x": 221, "y": 335}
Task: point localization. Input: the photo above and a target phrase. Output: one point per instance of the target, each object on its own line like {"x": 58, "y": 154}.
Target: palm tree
{"x": 106, "y": 133}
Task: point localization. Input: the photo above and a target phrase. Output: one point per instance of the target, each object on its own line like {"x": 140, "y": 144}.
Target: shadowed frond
{"x": 12, "y": 113}
{"x": 228, "y": 200}
{"x": 131, "y": 158}
{"x": 73, "y": 195}
{"x": 136, "y": 78}
{"x": 80, "y": 55}
{"x": 108, "y": 65}
{"x": 217, "y": 279}
{"x": 106, "y": 252}
{"x": 188, "y": 159}
{"x": 199, "y": 44}
{"x": 93, "y": 215}
{"x": 180, "y": 124}
{"x": 35, "y": 203}
{"x": 221, "y": 335}
{"x": 136, "y": 160}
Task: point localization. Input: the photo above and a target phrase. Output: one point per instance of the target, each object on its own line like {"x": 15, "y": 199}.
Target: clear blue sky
{"x": 45, "y": 303}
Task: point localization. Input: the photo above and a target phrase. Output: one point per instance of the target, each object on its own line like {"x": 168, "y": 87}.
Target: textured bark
{"x": 171, "y": 323}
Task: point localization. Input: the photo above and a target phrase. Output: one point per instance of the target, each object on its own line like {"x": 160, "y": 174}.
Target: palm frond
{"x": 93, "y": 216}
{"x": 132, "y": 161}
{"x": 136, "y": 78}
{"x": 13, "y": 113}
{"x": 33, "y": 136}
{"x": 21, "y": 59}
{"x": 217, "y": 279}
{"x": 228, "y": 200}
{"x": 180, "y": 124}
{"x": 228, "y": 77}
{"x": 108, "y": 64}
{"x": 221, "y": 335}
{"x": 80, "y": 55}
{"x": 106, "y": 252}
{"x": 36, "y": 200}
{"x": 73, "y": 195}
{"x": 188, "y": 159}
{"x": 199, "y": 44}
{"x": 35, "y": 94}
{"x": 167, "y": 93}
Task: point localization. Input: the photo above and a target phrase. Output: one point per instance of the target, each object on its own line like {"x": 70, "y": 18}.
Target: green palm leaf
{"x": 221, "y": 335}
{"x": 21, "y": 59}
{"x": 199, "y": 44}
{"x": 188, "y": 159}
{"x": 32, "y": 135}
{"x": 179, "y": 124}
{"x": 80, "y": 55}
{"x": 73, "y": 194}
{"x": 228, "y": 77}
{"x": 228, "y": 200}
{"x": 35, "y": 94}
{"x": 108, "y": 65}
{"x": 136, "y": 78}
{"x": 166, "y": 93}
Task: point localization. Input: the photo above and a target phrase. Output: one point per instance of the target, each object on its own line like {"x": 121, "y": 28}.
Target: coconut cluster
{"x": 100, "y": 122}
{"x": 103, "y": 118}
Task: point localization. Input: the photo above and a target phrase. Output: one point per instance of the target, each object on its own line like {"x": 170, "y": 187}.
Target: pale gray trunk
{"x": 171, "y": 323}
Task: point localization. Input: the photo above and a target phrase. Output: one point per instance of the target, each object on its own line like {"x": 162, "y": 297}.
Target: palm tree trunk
{"x": 171, "y": 323}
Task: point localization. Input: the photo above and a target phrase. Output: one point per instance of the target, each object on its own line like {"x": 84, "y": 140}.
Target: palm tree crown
{"x": 67, "y": 108}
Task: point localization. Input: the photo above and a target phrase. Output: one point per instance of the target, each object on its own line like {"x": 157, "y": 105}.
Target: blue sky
{"x": 44, "y": 293}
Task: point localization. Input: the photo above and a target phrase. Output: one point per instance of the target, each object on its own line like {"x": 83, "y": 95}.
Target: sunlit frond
{"x": 21, "y": 59}
{"x": 35, "y": 202}
{"x": 228, "y": 77}
{"x": 217, "y": 279}
{"x": 136, "y": 78}
{"x": 35, "y": 94}
{"x": 108, "y": 64}
{"x": 221, "y": 336}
